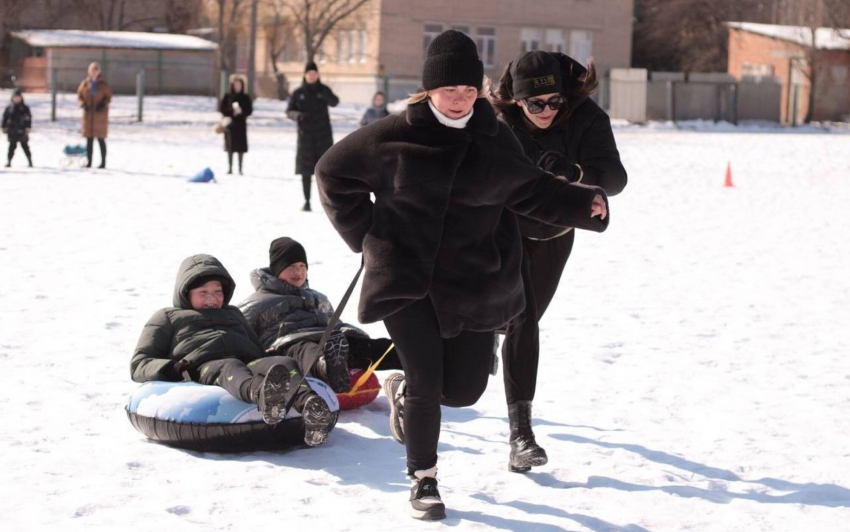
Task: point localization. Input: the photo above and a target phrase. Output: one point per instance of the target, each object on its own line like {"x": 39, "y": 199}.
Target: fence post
{"x": 669, "y": 99}
{"x": 794, "y": 106}
{"x": 53, "y": 95}
{"x": 222, "y": 86}
{"x": 140, "y": 92}
{"x": 733, "y": 105}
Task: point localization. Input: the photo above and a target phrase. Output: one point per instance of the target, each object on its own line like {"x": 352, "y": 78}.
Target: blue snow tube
{"x": 204, "y": 176}
{"x": 194, "y": 416}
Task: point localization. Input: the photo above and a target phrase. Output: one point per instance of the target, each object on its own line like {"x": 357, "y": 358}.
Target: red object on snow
{"x": 357, "y": 397}
{"x": 728, "y": 182}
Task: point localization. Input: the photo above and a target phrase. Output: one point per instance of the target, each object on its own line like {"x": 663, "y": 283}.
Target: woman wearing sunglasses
{"x": 442, "y": 267}
{"x": 544, "y": 98}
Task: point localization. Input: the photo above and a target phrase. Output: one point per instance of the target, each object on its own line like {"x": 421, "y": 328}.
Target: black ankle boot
{"x": 525, "y": 453}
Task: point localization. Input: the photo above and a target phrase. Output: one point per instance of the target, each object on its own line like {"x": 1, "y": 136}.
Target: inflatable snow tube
{"x": 360, "y": 395}
{"x": 194, "y": 416}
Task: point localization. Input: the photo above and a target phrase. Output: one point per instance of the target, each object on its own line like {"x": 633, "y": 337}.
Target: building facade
{"x": 785, "y": 54}
{"x": 383, "y": 46}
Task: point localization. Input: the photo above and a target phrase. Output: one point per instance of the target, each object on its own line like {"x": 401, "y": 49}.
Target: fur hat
{"x": 452, "y": 59}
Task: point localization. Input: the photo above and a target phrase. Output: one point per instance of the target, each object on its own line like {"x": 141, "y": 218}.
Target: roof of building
{"x": 826, "y": 38}
{"x": 113, "y": 39}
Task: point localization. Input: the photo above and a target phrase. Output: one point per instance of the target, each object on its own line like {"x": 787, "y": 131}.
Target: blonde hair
{"x": 421, "y": 96}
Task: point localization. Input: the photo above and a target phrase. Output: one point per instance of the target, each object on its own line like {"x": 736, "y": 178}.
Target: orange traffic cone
{"x": 728, "y": 182}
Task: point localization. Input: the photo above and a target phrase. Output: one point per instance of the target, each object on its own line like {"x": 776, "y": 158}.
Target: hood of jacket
{"x": 195, "y": 267}
{"x": 263, "y": 279}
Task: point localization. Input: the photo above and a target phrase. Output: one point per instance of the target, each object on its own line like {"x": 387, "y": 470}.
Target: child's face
{"x": 16, "y": 99}
{"x": 294, "y": 274}
{"x": 208, "y": 295}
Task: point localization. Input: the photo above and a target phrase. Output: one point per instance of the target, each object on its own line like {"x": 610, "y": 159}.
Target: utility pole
{"x": 252, "y": 49}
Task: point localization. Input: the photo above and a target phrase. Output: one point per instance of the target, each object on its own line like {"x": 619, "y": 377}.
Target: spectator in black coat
{"x": 237, "y": 106}
{"x": 17, "y": 122}
{"x": 442, "y": 266}
{"x": 544, "y": 98}
{"x": 308, "y": 106}
{"x": 377, "y": 111}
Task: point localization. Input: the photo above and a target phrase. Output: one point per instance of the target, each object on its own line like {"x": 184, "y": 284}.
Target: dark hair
{"x": 502, "y": 98}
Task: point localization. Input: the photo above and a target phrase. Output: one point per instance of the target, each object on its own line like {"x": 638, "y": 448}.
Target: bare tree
{"x": 181, "y": 15}
{"x": 114, "y": 15}
{"x": 314, "y": 20}
{"x": 230, "y": 15}
{"x": 814, "y": 18}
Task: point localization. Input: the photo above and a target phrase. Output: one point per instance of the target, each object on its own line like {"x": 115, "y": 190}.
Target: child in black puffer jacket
{"x": 17, "y": 122}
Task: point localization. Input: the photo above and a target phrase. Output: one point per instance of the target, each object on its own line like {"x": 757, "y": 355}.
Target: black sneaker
{"x": 272, "y": 400}
{"x": 425, "y": 501}
{"x": 318, "y": 420}
{"x": 394, "y": 388}
{"x": 333, "y": 367}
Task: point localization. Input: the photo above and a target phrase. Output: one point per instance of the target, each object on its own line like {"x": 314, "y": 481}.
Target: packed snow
{"x": 694, "y": 368}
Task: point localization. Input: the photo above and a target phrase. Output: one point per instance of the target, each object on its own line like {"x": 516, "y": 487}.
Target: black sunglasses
{"x": 536, "y": 107}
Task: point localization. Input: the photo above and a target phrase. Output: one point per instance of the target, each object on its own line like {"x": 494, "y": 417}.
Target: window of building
{"x": 351, "y": 46}
{"x": 362, "y": 43}
{"x": 487, "y": 46}
{"x": 344, "y": 46}
{"x": 556, "y": 41}
{"x": 756, "y": 70}
{"x": 530, "y": 39}
{"x": 430, "y": 33}
{"x": 462, "y": 29}
{"x": 581, "y": 45}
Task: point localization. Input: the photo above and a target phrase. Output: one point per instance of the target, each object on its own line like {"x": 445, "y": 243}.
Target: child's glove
{"x": 100, "y": 107}
{"x": 295, "y": 115}
{"x": 5, "y": 131}
{"x": 27, "y": 131}
{"x": 85, "y": 106}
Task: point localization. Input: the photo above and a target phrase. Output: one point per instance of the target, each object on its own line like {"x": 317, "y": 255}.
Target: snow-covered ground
{"x": 694, "y": 370}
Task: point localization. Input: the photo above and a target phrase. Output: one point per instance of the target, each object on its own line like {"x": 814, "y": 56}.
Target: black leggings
{"x": 306, "y": 182}
{"x": 448, "y": 371}
{"x": 90, "y": 149}
{"x": 24, "y": 146}
{"x": 230, "y": 160}
{"x": 543, "y": 263}
{"x": 243, "y": 381}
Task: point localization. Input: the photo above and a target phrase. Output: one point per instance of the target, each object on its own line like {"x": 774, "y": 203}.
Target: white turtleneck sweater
{"x": 457, "y": 123}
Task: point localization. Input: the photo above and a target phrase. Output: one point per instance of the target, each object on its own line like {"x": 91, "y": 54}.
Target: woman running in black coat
{"x": 544, "y": 98}
{"x": 442, "y": 258}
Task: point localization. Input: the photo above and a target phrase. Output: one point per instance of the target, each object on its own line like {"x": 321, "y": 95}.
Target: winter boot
{"x": 394, "y": 388}
{"x": 525, "y": 452}
{"x": 332, "y": 367}
{"x": 274, "y": 394}
{"x": 29, "y": 161}
{"x": 425, "y": 501}
{"x": 318, "y": 420}
{"x": 9, "y": 163}
{"x": 306, "y": 207}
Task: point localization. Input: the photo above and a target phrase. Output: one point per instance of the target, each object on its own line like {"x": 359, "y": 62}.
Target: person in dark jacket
{"x": 289, "y": 317}
{"x": 94, "y": 96}
{"x": 308, "y": 106}
{"x": 17, "y": 122}
{"x": 204, "y": 339}
{"x": 442, "y": 266}
{"x": 544, "y": 98}
{"x": 237, "y": 106}
{"x": 377, "y": 111}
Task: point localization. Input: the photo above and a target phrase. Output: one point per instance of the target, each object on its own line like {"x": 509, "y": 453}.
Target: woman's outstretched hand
{"x": 598, "y": 208}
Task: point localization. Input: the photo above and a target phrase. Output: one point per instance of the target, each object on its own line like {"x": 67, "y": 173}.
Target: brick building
{"x": 384, "y": 46}
{"x": 785, "y": 53}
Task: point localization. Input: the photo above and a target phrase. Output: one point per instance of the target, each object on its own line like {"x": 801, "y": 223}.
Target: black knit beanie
{"x": 536, "y": 73}
{"x": 311, "y": 65}
{"x": 204, "y": 279}
{"x": 452, "y": 59}
{"x": 283, "y": 252}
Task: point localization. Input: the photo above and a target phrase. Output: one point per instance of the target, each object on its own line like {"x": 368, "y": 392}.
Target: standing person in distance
{"x": 442, "y": 266}
{"x": 94, "y": 97}
{"x": 544, "y": 98}
{"x": 17, "y": 121}
{"x": 308, "y": 106}
{"x": 377, "y": 111}
{"x": 237, "y": 106}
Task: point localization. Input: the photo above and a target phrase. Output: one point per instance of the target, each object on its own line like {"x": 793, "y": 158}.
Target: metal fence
{"x": 637, "y": 96}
